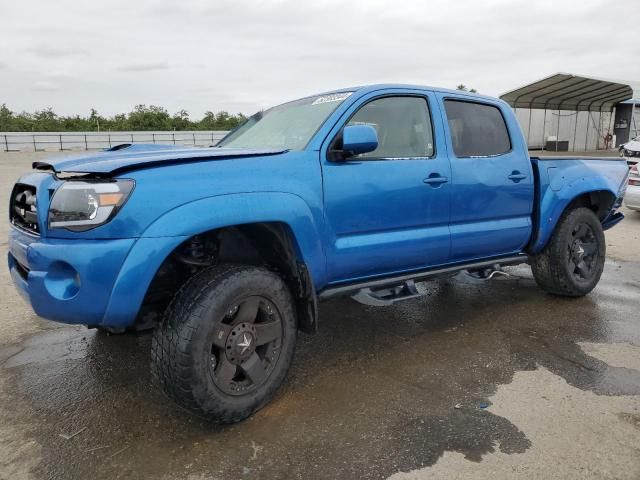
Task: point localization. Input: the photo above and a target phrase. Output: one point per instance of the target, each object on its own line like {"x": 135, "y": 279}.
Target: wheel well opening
{"x": 600, "y": 202}
{"x": 268, "y": 244}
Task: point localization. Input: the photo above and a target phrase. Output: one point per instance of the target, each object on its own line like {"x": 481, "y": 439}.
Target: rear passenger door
{"x": 492, "y": 180}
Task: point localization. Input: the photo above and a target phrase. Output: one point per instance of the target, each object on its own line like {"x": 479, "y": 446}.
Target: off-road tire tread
{"x": 547, "y": 266}
{"x": 170, "y": 353}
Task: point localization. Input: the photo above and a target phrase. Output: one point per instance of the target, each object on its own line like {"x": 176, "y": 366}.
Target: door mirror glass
{"x": 358, "y": 139}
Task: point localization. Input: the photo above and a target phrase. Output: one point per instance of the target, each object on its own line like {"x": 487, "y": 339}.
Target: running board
{"x": 383, "y": 297}
{"x": 389, "y": 290}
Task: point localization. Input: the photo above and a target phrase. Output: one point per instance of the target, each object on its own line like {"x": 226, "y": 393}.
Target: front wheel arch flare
{"x": 170, "y": 230}
{"x": 248, "y": 208}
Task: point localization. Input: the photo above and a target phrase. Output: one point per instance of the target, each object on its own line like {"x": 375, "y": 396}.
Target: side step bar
{"x": 389, "y": 290}
{"x": 387, "y": 296}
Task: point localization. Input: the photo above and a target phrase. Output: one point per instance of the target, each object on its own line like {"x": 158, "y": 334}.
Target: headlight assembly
{"x": 83, "y": 205}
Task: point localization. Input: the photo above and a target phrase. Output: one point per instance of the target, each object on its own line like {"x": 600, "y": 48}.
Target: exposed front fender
{"x": 135, "y": 276}
{"x": 174, "y": 227}
{"x": 199, "y": 216}
{"x": 242, "y": 208}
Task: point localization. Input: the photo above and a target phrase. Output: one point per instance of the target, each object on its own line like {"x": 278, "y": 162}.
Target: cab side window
{"x": 403, "y": 125}
{"x": 477, "y": 129}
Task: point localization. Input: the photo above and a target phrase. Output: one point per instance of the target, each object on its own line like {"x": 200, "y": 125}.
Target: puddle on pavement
{"x": 373, "y": 393}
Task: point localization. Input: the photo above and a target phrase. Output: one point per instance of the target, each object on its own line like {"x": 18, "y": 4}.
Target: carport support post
{"x": 544, "y": 127}
{"x": 6, "y": 144}
{"x": 529, "y": 129}
{"x": 575, "y": 131}
{"x": 611, "y": 117}
{"x": 558, "y": 130}
{"x": 632, "y": 120}
{"x": 600, "y": 127}
{"x": 586, "y": 136}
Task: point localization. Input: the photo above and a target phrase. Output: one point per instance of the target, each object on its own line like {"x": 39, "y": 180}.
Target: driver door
{"x": 388, "y": 210}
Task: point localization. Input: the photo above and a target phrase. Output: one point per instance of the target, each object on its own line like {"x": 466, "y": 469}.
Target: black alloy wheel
{"x": 246, "y": 345}
{"x": 583, "y": 251}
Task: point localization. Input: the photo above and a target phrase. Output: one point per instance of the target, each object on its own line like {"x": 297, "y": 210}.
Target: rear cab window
{"x": 476, "y": 129}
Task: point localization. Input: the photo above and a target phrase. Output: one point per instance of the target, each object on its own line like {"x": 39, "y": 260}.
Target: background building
{"x": 567, "y": 112}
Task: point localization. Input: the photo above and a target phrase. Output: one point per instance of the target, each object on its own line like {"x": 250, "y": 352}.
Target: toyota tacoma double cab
{"x": 359, "y": 192}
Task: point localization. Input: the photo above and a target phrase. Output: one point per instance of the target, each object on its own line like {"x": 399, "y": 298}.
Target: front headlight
{"x": 83, "y": 205}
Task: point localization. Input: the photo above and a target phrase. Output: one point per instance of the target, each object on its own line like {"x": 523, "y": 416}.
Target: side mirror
{"x": 357, "y": 139}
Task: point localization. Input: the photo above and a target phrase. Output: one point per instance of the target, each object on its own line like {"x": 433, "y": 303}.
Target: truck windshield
{"x": 289, "y": 126}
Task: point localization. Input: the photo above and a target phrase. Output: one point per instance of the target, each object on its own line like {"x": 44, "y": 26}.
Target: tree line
{"x": 142, "y": 117}
{"x": 462, "y": 87}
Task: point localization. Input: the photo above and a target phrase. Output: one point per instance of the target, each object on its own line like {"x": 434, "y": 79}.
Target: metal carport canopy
{"x": 564, "y": 91}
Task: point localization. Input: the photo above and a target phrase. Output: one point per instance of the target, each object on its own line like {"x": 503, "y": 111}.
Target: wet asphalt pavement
{"x": 474, "y": 380}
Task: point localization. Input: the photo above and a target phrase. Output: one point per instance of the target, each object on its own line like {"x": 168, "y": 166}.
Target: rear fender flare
{"x": 553, "y": 204}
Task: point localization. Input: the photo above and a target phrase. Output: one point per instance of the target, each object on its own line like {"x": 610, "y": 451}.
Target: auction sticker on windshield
{"x": 334, "y": 97}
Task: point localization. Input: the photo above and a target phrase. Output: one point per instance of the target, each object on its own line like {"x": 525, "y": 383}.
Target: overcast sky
{"x": 241, "y": 56}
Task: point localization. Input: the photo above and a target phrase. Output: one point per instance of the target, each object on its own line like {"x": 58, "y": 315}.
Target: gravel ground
{"x": 475, "y": 380}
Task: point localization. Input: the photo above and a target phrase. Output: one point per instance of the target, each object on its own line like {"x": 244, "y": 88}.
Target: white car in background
{"x": 631, "y": 151}
{"x": 632, "y": 197}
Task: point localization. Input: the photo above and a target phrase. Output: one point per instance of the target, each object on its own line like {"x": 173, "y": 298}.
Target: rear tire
{"x": 226, "y": 342}
{"x": 572, "y": 262}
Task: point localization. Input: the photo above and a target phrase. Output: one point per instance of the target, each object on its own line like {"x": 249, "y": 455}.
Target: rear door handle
{"x": 435, "y": 180}
{"x": 516, "y": 176}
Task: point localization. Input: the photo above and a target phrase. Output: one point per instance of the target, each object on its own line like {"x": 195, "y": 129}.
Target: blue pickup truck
{"x": 360, "y": 192}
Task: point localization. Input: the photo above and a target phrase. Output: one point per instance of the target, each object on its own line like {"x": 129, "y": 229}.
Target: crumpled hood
{"x": 132, "y": 156}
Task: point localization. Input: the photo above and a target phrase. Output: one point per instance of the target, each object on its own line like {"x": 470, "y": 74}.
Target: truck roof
{"x": 128, "y": 156}
{"x": 386, "y": 86}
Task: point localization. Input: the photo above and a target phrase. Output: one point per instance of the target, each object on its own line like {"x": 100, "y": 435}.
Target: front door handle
{"x": 516, "y": 176}
{"x": 435, "y": 180}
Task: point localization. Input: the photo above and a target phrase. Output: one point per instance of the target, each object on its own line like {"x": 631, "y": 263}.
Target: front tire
{"x": 572, "y": 262}
{"x": 226, "y": 342}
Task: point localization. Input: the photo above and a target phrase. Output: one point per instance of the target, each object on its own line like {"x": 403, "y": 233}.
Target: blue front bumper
{"x": 90, "y": 282}
{"x": 68, "y": 281}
